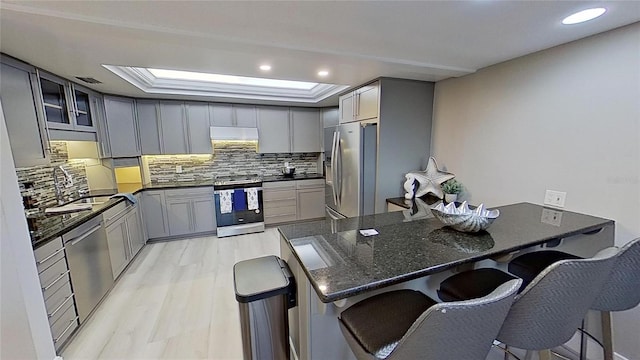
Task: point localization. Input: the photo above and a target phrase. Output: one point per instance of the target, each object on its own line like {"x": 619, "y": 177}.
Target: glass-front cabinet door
{"x": 66, "y": 105}
{"x": 55, "y": 103}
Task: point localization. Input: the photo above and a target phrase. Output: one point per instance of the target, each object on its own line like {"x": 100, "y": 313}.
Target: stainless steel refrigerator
{"x": 350, "y": 169}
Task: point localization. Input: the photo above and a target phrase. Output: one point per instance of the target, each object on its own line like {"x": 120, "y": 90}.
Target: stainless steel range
{"x": 239, "y": 207}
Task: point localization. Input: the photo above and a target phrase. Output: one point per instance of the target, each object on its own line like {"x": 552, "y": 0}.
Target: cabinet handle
{"x": 49, "y": 257}
{"x": 55, "y": 281}
{"x": 53, "y": 313}
{"x": 66, "y": 329}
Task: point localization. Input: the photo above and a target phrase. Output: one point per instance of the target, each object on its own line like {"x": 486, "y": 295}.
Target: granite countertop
{"x": 348, "y": 263}
{"x": 48, "y": 227}
{"x": 303, "y": 176}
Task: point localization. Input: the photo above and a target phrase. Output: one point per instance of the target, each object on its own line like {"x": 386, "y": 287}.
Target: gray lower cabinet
{"x": 286, "y": 201}
{"x": 124, "y": 235}
{"x": 25, "y": 124}
{"x": 121, "y": 126}
{"x": 176, "y": 212}
{"x": 310, "y": 199}
{"x": 155, "y": 214}
{"x": 58, "y": 294}
{"x": 190, "y": 211}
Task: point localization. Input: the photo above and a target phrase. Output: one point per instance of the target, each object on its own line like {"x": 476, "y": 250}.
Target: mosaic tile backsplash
{"x": 43, "y": 192}
{"x": 229, "y": 159}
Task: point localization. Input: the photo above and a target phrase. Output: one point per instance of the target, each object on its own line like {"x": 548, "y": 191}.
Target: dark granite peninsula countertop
{"x": 340, "y": 262}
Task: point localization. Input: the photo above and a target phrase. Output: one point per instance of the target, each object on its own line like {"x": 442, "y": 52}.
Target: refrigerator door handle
{"x": 338, "y": 172}
{"x": 334, "y": 167}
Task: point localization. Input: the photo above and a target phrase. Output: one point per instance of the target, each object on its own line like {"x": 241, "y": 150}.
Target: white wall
{"x": 566, "y": 119}
{"x": 24, "y": 330}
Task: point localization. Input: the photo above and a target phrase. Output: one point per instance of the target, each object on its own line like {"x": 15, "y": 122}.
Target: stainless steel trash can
{"x": 265, "y": 290}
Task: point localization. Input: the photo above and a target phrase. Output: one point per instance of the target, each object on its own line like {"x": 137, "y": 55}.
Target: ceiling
{"x": 356, "y": 41}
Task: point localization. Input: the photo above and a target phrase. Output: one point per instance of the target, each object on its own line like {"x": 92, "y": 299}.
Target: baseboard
{"x": 618, "y": 356}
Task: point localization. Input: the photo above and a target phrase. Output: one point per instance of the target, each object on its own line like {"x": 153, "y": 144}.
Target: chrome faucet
{"x": 68, "y": 182}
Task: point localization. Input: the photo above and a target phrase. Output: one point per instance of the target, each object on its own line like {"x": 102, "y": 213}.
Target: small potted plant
{"x": 451, "y": 188}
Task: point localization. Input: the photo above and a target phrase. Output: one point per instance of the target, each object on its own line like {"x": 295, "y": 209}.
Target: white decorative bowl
{"x": 462, "y": 218}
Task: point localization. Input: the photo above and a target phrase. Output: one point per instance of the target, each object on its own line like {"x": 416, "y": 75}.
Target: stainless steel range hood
{"x": 233, "y": 133}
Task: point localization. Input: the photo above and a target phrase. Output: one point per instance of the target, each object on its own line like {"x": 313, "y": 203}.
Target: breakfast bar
{"x": 337, "y": 263}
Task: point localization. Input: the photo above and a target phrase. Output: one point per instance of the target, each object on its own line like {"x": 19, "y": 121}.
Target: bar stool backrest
{"x": 457, "y": 330}
{"x": 548, "y": 311}
{"x": 621, "y": 291}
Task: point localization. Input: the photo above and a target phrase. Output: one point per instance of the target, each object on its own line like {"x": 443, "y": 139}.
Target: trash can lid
{"x": 259, "y": 278}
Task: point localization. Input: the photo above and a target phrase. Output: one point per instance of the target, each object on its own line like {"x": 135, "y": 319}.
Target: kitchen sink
{"x": 81, "y": 204}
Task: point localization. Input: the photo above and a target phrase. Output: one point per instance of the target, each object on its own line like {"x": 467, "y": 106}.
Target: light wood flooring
{"x": 176, "y": 301}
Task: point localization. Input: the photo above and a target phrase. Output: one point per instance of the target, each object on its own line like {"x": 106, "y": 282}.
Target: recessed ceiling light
{"x": 265, "y": 67}
{"x": 229, "y": 79}
{"x": 584, "y": 15}
{"x": 323, "y": 73}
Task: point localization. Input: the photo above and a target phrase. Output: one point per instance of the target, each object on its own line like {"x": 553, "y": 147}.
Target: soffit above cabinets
{"x": 355, "y": 41}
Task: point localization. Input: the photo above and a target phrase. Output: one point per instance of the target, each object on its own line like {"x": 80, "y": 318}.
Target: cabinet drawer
{"x": 45, "y": 252}
{"x": 272, "y": 204}
{"x": 48, "y": 261}
{"x": 56, "y": 313}
{"x": 53, "y": 288}
{"x": 280, "y": 218}
{"x": 310, "y": 184}
{"x": 280, "y": 185}
{"x": 53, "y": 274}
{"x": 278, "y": 195}
{"x": 280, "y": 211}
{"x": 65, "y": 325}
{"x": 190, "y": 193}
{"x": 56, "y": 294}
{"x": 114, "y": 213}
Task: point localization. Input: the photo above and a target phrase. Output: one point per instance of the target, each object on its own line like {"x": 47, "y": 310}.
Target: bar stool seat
{"x": 472, "y": 284}
{"x": 406, "y": 324}
{"x": 529, "y": 265}
{"x": 395, "y": 310}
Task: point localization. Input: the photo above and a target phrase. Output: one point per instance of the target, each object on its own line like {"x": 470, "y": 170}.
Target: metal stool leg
{"x": 607, "y": 335}
{"x": 544, "y": 354}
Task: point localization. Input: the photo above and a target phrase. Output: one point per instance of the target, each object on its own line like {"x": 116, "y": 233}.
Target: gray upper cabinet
{"x": 198, "y": 123}
{"x": 20, "y": 96}
{"x": 174, "y": 136}
{"x": 329, "y": 117}
{"x": 246, "y": 116}
{"x": 233, "y": 115}
{"x": 121, "y": 125}
{"x": 66, "y": 105}
{"x": 273, "y": 130}
{"x": 306, "y": 130}
{"x": 97, "y": 109}
{"x": 148, "y": 126}
{"x": 361, "y": 104}
{"x": 221, "y": 114}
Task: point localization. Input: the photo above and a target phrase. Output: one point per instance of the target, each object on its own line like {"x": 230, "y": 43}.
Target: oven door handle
{"x": 217, "y": 192}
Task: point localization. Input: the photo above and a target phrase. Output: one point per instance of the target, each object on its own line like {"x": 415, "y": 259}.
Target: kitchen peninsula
{"x": 336, "y": 266}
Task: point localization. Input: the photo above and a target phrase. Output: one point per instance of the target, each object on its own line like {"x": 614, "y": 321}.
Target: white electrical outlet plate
{"x": 555, "y": 198}
{"x": 178, "y": 169}
{"x": 552, "y": 217}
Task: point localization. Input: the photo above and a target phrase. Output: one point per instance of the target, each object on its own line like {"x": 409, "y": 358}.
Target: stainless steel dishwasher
{"x": 89, "y": 264}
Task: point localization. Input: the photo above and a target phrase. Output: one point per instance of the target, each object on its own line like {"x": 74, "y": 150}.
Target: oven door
{"x": 239, "y": 214}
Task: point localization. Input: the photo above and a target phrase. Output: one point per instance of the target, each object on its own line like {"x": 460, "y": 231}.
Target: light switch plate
{"x": 178, "y": 169}
{"x": 555, "y": 198}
